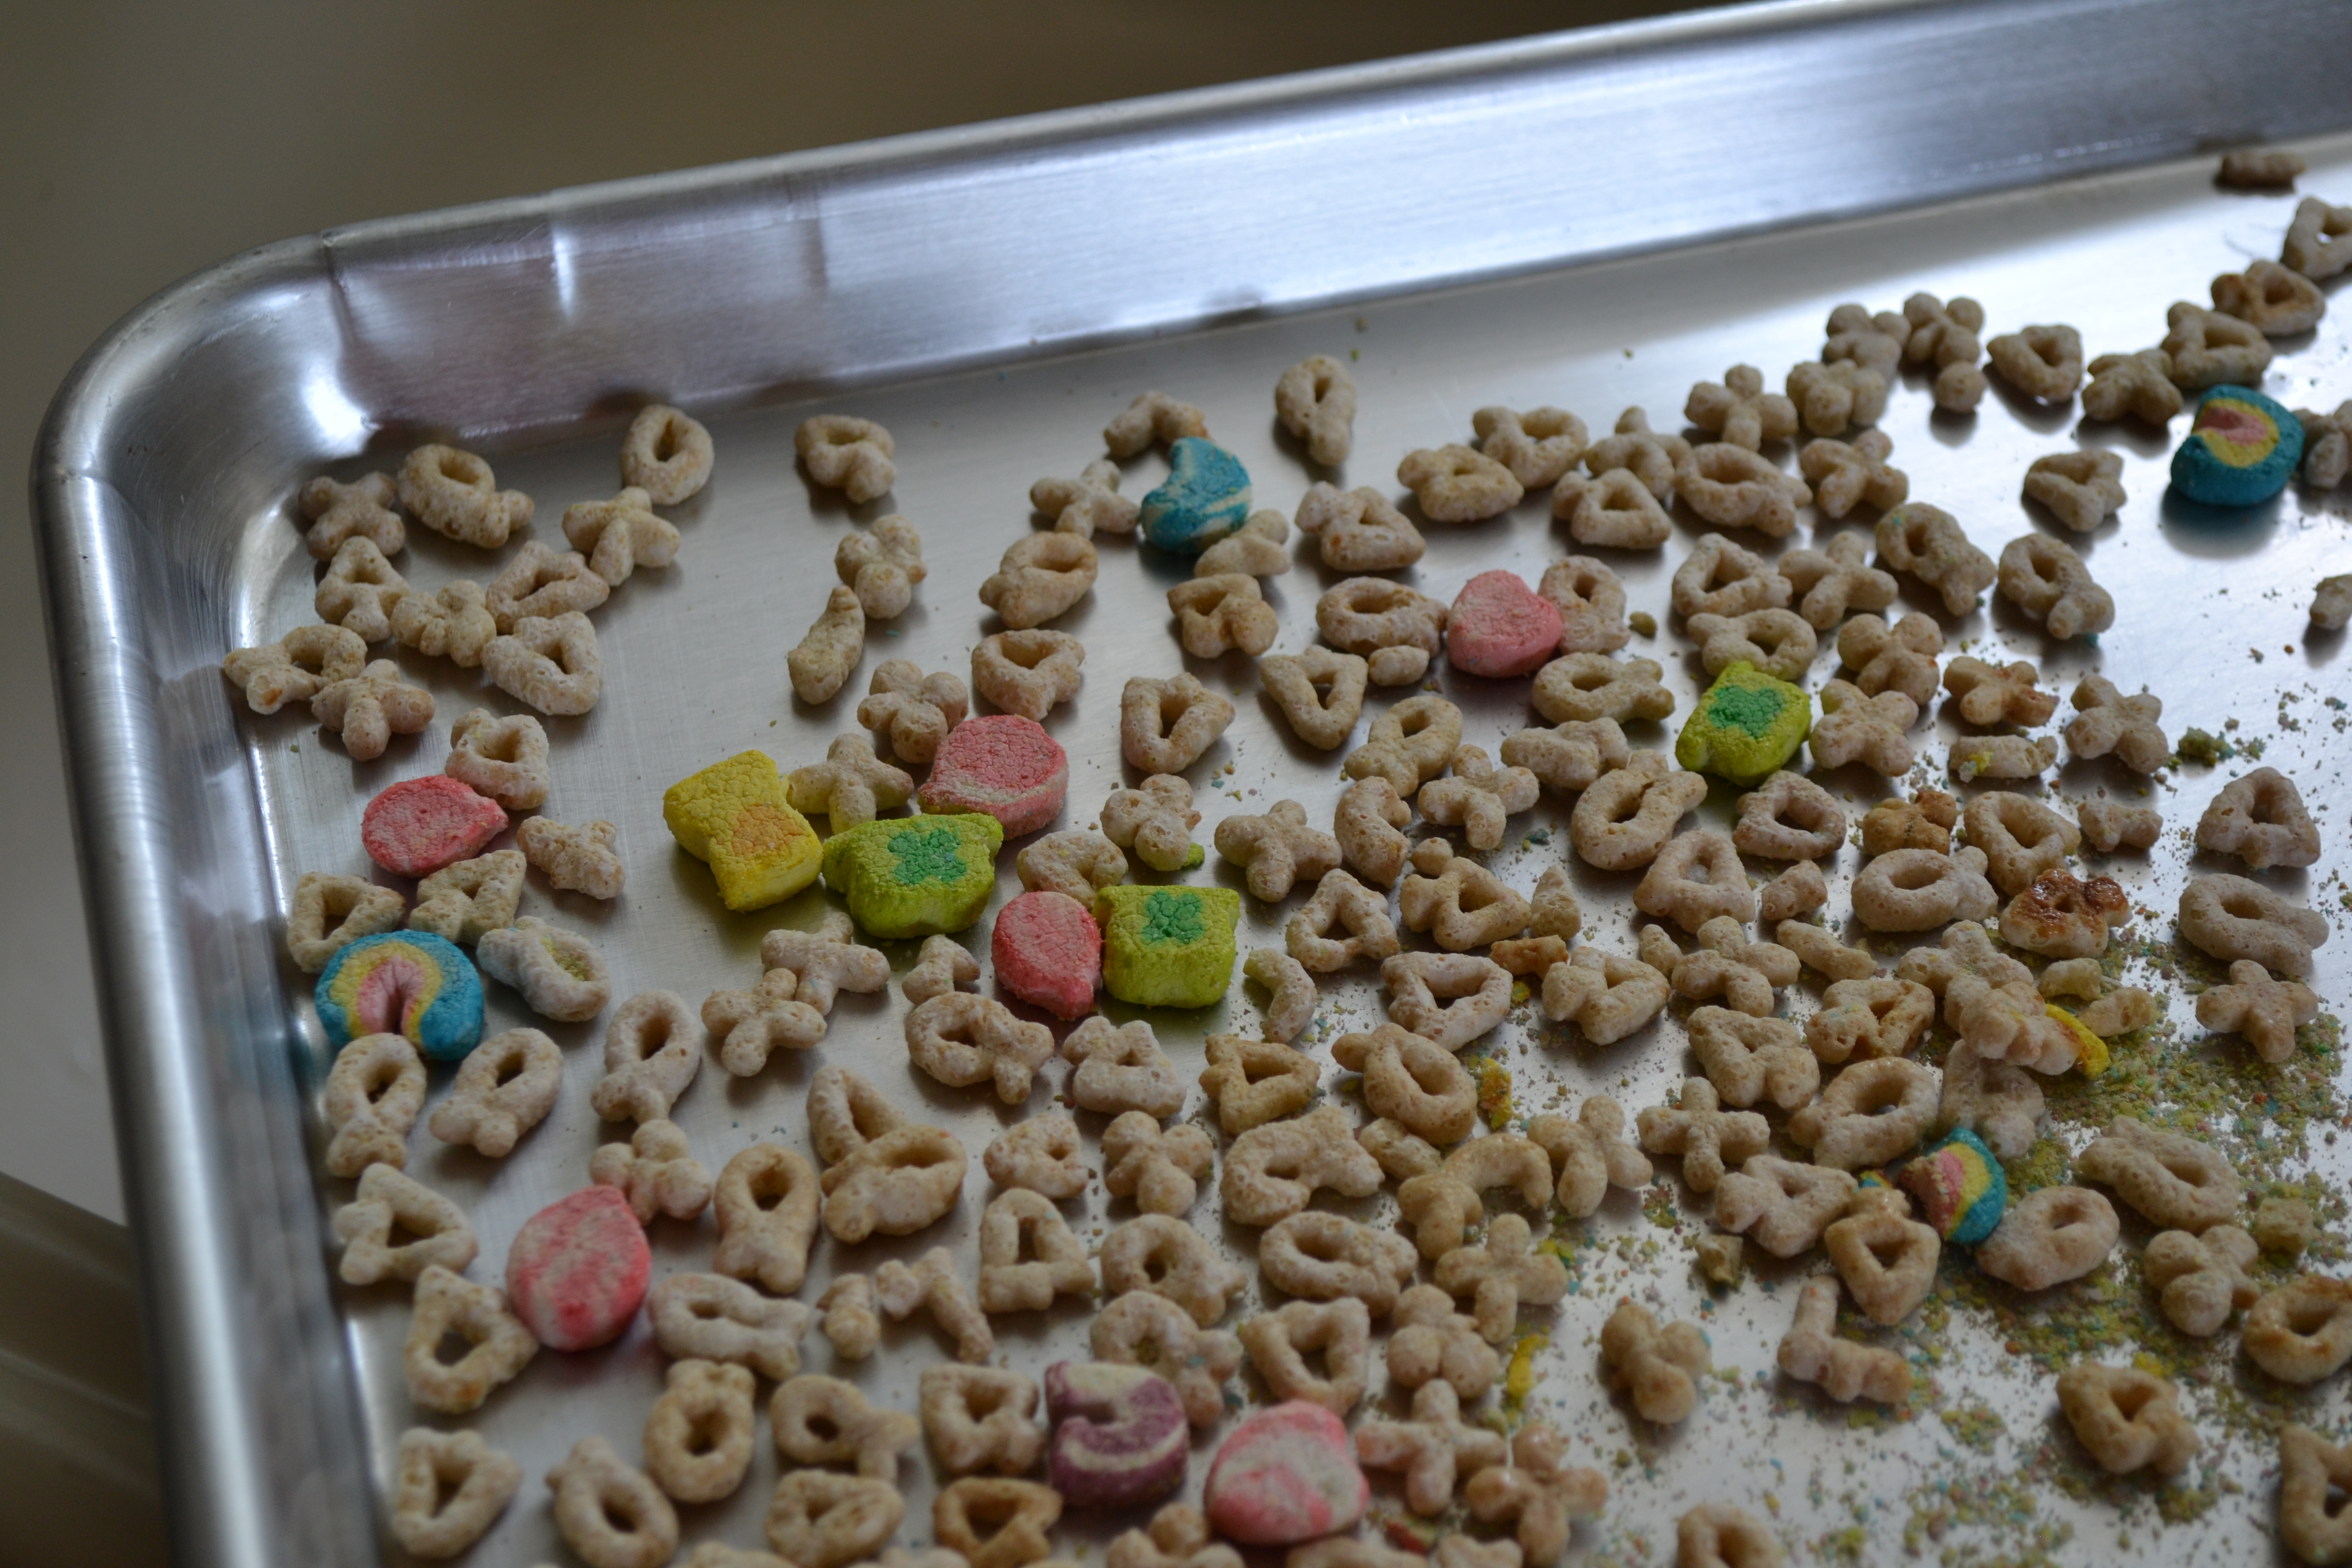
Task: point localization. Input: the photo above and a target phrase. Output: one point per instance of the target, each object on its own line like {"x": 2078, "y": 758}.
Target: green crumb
{"x": 1977, "y": 1426}
{"x": 1495, "y": 1103}
{"x": 2197, "y": 746}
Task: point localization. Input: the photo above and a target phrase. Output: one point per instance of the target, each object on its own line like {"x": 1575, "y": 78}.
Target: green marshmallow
{"x": 1168, "y": 947}
{"x": 915, "y": 875}
{"x": 1746, "y": 726}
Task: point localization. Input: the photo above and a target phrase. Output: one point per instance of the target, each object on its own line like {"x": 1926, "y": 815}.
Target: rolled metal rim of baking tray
{"x": 915, "y": 255}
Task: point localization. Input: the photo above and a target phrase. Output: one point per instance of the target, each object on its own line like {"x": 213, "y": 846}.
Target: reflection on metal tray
{"x": 988, "y": 295}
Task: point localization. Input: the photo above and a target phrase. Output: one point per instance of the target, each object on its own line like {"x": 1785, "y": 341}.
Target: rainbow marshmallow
{"x": 405, "y": 982}
{"x": 2241, "y": 449}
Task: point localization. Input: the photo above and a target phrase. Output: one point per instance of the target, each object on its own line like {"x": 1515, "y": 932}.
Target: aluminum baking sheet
{"x": 169, "y": 537}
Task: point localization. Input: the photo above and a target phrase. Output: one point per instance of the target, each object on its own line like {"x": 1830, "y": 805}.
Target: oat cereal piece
{"x": 1858, "y": 336}
{"x": 2301, "y": 1331}
{"x": 1409, "y": 746}
{"x": 619, "y": 535}
{"x": 2209, "y": 348}
{"x": 1865, "y": 1017}
{"x": 1528, "y": 957}
{"x": 1650, "y": 456}
{"x": 1836, "y": 582}
{"x": 1898, "y": 658}
{"x": 1778, "y": 642}
{"x": 819, "y": 1520}
{"x": 554, "y": 665}
{"x": 1868, "y": 729}
{"x": 2326, "y": 458}
{"x": 1271, "y": 1171}
{"x": 883, "y": 564}
{"x": 500, "y": 1344}
{"x": 1607, "y": 996}
{"x": 1413, "y": 1081}
{"x": 1259, "y": 548}
{"x": 712, "y": 1318}
{"x": 752, "y": 1024}
{"x": 2261, "y": 819}
{"x": 1537, "y": 446}
{"x": 504, "y": 1088}
{"x": 1165, "y": 725}
{"x": 1320, "y": 1257}
{"x": 1027, "y": 673}
{"x": 2311, "y": 1471}
{"x": 852, "y": 1325}
{"x": 1540, "y": 1490}
{"x": 297, "y": 668}
{"x": 1359, "y": 529}
{"x": 1432, "y": 1449}
{"x": 1886, "y": 1258}
{"x": 1340, "y": 901}
{"x": 2002, "y": 757}
{"x": 1019, "y": 1221}
{"x": 1720, "y": 578}
{"x": 1298, "y": 682}
{"x": 1819, "y": 948}
{"x": 1731, "y": 487}
{"x": 1018, "y": 1514}
{"x": 1152, "y": 417}
{"x": 2260, "y": 169}
{"x": 439, "y": 1235}
{"x": 849, "y": 455}
{"x": 367, "y": 709}
{"x": 1553, "y": 912}
{"x": 339, "y": 513}
{"x": 1789, "y": 817}
{"x": 1843, "y": 476}
{"x": 2266, "y": 1011}
{"x": 1432, "y": 1340}
{"x": 2021, "y": 839}
{"x": 1077, "y": 863}
{"x": 1277, "y": 848}
{"x": 850, "y": 787}
{"x": 1616, "y": 510}
{"x": 1397, "y": 629}
{"x": 933, "y": 1285}
{"x": 1215, "y": 614}
{"x": 1930, "y": 544}
{"x": 1694, "y": 877}
{"x": 1721, "y": 1535}
{"x": 455, "y": 621}
{"x": 1140, "y": 1329}
{"x": 828, "y": 654}
{"x": 2138, "y": 384}
{"x": 1278, "y": 1343}
{"x": 1591, "y": 1153}
{"x": 1088, "y": 504}
{"x": 1040, "y": 578}
{"x": 1924, "y": 821}
{"x": 652, "y": 1051}
{"x": 503, "y": 758}
{"x": 1501, "y": 1276}
{"x": 374, "y": 1092}
{"x": 1316, "y": 401}
{"x": 1291, "y": 994}
{"x": 1463, "y": 903}
{"x": 2108, "y": 826}
{"x": 1155, "y": 820}
{"x": 1729, "y": 964}
{"x": 1948, "y": 336}
{"x": 559, "y": 975}
{"x": 1121, "y": 1069}
{"x": 449, "y": 1488}
{"x": 360, "y": 590}
{"x": 1793, "y": 895}
{"x": 766, "y": 1203}
{"x": 2044, "y": 363}
{"x": 2047, "y": 1236}
{"x": 2128, "y": 1419}
{"x": 2232, "y": 917}
{"x": 2062, "y": 916}
{"x": 1739, "y": 410}
{"x": 1966, "y": 952}
{"x": 943, "y": 965}
{"x": 1831, "y": 396}
{"x": 2169, "y": 1177}
{"x": 1811, "y": 1353}
{"x": 824, "y": 1421}
{"x": 666, "y": 454}
{"x": 1366, "y": 823}
{"x": 1703, "y": 1134}
{"x": 2280, "y": 300}
{"x": 657, "y": 1172}
{"x": 698, "y": 1438}
{"x": 962, "y": 1039}
{"x": 1256, "y": 1081}
{"x": 1458, "y": 484}
{"x": 1782, "y": 1206}
{"x": 2201, "y": 1281}
{"x": 1161, "y": 1254}
{"x": 453, "y": 493}
{"x": 2048, "y": 581}
{"x": 581, "y": 859}
{"x": 2318, "y": 245}
{"x": 1749, "y": 1057}
{"x": 1998, "y": 694}
{"x": 1868, "y": 1114}
{"x": 539, "y": 581}
{"x": 882, "y": 1171}
{"x": 1179, "y": 1538}
{"x": 609, "y": 1513}
{"x": 2000, "y": 1102}
{"x": 1591, "y": 605}
{"x": 330, "y": 912}
{"x": 2082, "y": 490}
{"x": 1480, "y": 798}
{"x": 1040, "y": 1154}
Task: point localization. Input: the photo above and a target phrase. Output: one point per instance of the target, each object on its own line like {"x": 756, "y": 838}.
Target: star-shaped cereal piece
{"x": 915, "y": 711}
{"x": 851, "y": 786}
{"x": 1087, "y": 504}
{"x": 2105, "y": 720}
{"x": 1541, "y": 1491}
{"x": 368, "y": 708}
{"x": 1480, "y": 798}
{"x": 363, "y": 507}
{"x": 1277, "y": 849}
{"x": 1901, "y": 657}
{"x": 1505, "y": 1274}
{"x": 1874, "y": 340}
{"x": 1836, "y": 581}
{"x": 1432, "y": 1448}
{"x": 2266, "y": 1011}
{"x": 1155, "y": 820}
{"x": 1740, "y": 411}
{"x": 1998, "y": 694}
{"x": 1731, "y": 964}
{"x": 1705, "y": 1135}
{"x": 1648, "y": 455}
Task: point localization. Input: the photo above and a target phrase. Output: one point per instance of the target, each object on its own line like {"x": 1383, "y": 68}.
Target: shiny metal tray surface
{"x": 1646, "y": 205}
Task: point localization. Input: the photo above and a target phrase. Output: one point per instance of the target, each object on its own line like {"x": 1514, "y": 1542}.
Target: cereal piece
{"x": 1271, "y": 1171}
{"x": 1844, "y": 474}
{"x": 1540, "y": 1490}
{"x": 1720, "y": 1535}
{"x": 705, "y": 1317}
{"x": 962, "y": 1039}
{"x": 2127, "y": 1418}
{"x": 1040, "y": 578}
{"x": 449, "y": 1488}
{"x": 1591, "y": 605}
{"x": 1412, "y": 1081}
{"x": 1480, "y": 798}
{"x": 453, "y": 493}
{"x": 1257, "y": 549}
{"x": 1959, "y": 1184}
{"x": 455, "y": 621}
{"x": 2207, "y": 348}
{"x": 849, "y": 455}
{"x": 754, "y": 1024}
{"x": 503, "y": 758}
{"x": 853, "y": 1326}
{"x": 1782, "y": 1206}
{"x": 1870, "y": 1017}
{"x": 666, "y": 454}
{"x": 1432, "y": 1340}
{"x": 1501, "y": 1276}
{"x": 1205, "y": 498}
{"x": 616, "y": 536}
{"x": 1168, "y": 947}
{"x": 2062, "y": 916}
{"x": 1794, "y": 894}
{"x": 1587, "y": 688}
{"x": 360, "y": 590}
{"x": 1048, "y": 951}
{"x": 824, "y": 1421}
{"x": 2047, "y": 580}
{"x": 1366, "y": 823}
{"x": 500, "y": 1345}
{"x": 1219, "y": 613}
{"x": 413, "y": 984}
{"x": 1359, "y": 529}
{"x": 558, "y": 973}
{"x": 1432, "y": 1449}
{"x": 2050, "y": 1236}
{"x": 2261, "y": 819}
{"x": 1298, "y": 683}
{"x": 2201, "y": 1281}
{"x": 1831, "y": 396}
{"x": 1947, "y": 335}
{"x": 2266, "y": 1011}
{"x": 1655, "y": 1366}
{"x": 1340, "y": 900}
{"x": 2169, "y": 1177}
{"x": 1591, "y": 1153}
{"x": 2138, "y": 384}
{"x": 1886, "y": 1258}
{"x": 1924, "y": 821}
{"x": 1869, "y": 730}
{"x": 2278, "y": 300}
{"x": 1537, "y": 446}
{"x": 1120, "y": 1437}
{"x": 1819, "y": 950}
{"x": 1836, "y": 583}
{"x": 362, "y": 509}
{"x": 828, "y": 653}
{"x": 1020, "y": 1220}
{"x": 851, "y": 786}
{"x": 882, "y": 1171}
{"x": 1087, "y": 504}
{"x": 1997, "y": 694}
{"x": 1789, "y": 817}
{"x": 1731, "y": 487}
{"x": 1919, "y": 889}
{"x": 578, "y": 858}
{"x": 1553, "y": 911}
{"x": 1410, "y": 745}
{"x": 2311, "y": 1471}
{"x": 1140, "y": 1329}
{"x": 1859, "y": 337}
{"x": 2021, "y": 839}
{"x": 1616, "y": 509}
{"x": 1778, "y": 642}
{"x": 2232, "y": 917}
{"x": 1739, "y": 410}
{"x": 1156, "y": 821}
{"x": 1464, "y": 904}
{"x": 1040, "y": 1154}
{"x": 819, "y": 1520}
{"x": 2318, "y": 245}
{"x": 554, "y": 665}
{"x": 652, "y": 1051}
{"x": 698, "y": 1437}
{"x": 1292, "y": 994}
{"x": 1257, "y": 1082}
{"x": 883, "y": 566}
{"x": 2326, "y": 458}
{"x": 577, "y": 1271}
{"x": 2044, "y": 362}
{"x": 330, "y": 912}
{"x": 1751, "y": 1057}
{"x": 1322, "y": 1258}
{"x": 1397, "y": 629}
{"x": 297, "y": 668}
{"x": 657, "y": 1172}
{"x": 1650, "y": 456}
{"x": 1278, "y": 1343}
{"x": 1811, "y": 1353}
{"x": 1165, "y": 725}
{"x": 1499, "y": 626}
{"x": 1158, "y": 1253}
{"x": 2301, "y": 1331}
{"x": 2002, "y": 756}
{"x": 933, "y": 1285}
{"x": 1121, "y": 1069}
{"x": 1027, "y": 673}
{"x": 1868, "y": 1114}
{"x": 1927, "y": 543}
{"x": 610, "y": 1514}
{"x": 1607, "y": 996}
{"x": 1991, "y": 1098}
{"x": 1275, "y": 849}
{"x": 367, "y": 709}
{"x": 1720, "y": 578}
{"x": 1003, "y": 766}
{"x": 1696, "y": 877}
{"x": 435, "y": 1227}
{"x": 504, "y": 1088}
{"x": 1153, "y": 416}
{"x": 1316, "y": 401}
{"x": 1456, "y": 484}
{"x": 537, "y": 581}
{"x": 2082, "y": 490}
{"x": 1744, "y": 972}
{"x": 2260, "y": 169}
{"x": 1178, "y": 1539}
{"x": 916, "y": 877}
{"x": 1898, "y": 658}
{"x": 2108, "y": 826}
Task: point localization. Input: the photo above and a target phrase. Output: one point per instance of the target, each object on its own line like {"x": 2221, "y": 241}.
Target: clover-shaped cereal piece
{"x": 1155, "y": 820}
{"x": 2046, "y": 578}
{"x": 360, "y": 590}
{"x": 1214, "y": 613}
{"x": 1778, "y": 642}
{"x": 2266, "y": 1011}
{"x": 1654, "y": 1365}
{"x": 1591, "y": 1153}
{"x": 1153, "y": 416}
{"x": 295, "y": 668}
{"x": 578, "y": 860}
{"x": 846, "y": 453}
{"x": 1871, "y": 729}
{"x": 851, "y": 786}
{"x": 2128, "y": 1419}
{"x": 2041, "y": 362}
{"x": 1276, "y": 849}
{"x": 655, "y": 1169}
{"x": 1606, "y": 994}
{"x": 1739, "y": 409}
{"x": 882, "y": 565}
{"x": 467, "y": 899}
{"x": 1359, "y": 529}
{"x": 456, "y": 621}
{"x": 1160, "y": 1168}
{"x": 338, "y": 512}
{"x": 1626, "y": 816}
{"x": 1278, "y": 1344}
{"x": 1858, "y": 335}
{"x": 453, "y": 493}
{"x": 1462, "y": 902}
{"x": 1298, "y": 684}
{"x": 1165, "y": 725}
{"x": 330, "y": 912}
{"x": 1811, "y": 1353}
{"x": 1901, "y": 657}
{"x": 1998, "y": 694}
{"x": 1459, "y": 484}
{"x": 1789, "y": 817}
{"x": 1831, "y": 396}
{"x": 1027, "y": 673}
{"x": 365, "y": 710}
{"x": 2278, "y": 300}
{"x": 1340, "y": 901}
{"x": 1583, "y": 687}
{"x": 1409, "y": 744}
{"x": 1734, "y": 488}
{"x": 1538, "y": 446}
{"x": 1040, "y": 577}
{"x": 1502, "y": 1276}
{"x": 2259, "y": 818}
{"x": 554, "y": 665}
{"x": 1943, "y": 334}
{"x": 1397, "y": 629}
{"x": 1480, "y": 798}
{"x": 2207, "y": 348}
{"x": 1930, "y": 544}
{"x": 1707, "y": 1136}
{"x": 1316, "y": 401}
